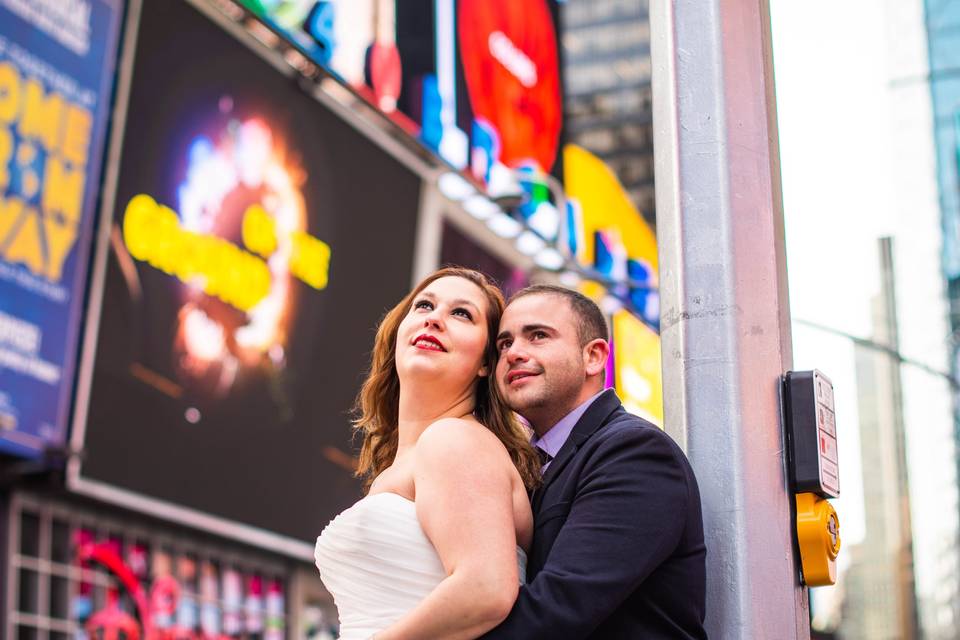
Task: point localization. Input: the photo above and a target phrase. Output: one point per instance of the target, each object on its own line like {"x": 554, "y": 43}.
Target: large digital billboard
{"x": 56, "y": 73}
{"x": 477, "y": 81}
{"x": 256, "y": 240}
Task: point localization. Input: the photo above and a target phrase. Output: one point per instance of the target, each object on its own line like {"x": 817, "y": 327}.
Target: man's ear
{"x": 595, "y": 354}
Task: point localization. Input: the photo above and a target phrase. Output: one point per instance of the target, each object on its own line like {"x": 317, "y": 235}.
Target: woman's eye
{"x": 423, "y": 304}
{"x": 463, "y": 312}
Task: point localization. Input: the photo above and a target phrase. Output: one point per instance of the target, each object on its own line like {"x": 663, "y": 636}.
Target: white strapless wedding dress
{"x": 378, "y": 564}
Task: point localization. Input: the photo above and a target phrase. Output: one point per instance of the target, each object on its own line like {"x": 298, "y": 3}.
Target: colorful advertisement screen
{"x": 257, "y": 239}
{"x": 56, "y": 72}
{"x": 477, "y": 81}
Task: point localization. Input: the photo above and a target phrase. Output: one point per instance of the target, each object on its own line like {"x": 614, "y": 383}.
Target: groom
{"x": 618, "y": 546}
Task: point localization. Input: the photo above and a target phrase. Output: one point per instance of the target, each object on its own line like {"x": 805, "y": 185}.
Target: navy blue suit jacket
{"x": 618, "y": 546}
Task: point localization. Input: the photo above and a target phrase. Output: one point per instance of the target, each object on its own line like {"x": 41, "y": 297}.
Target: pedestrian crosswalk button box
{"x": 811, "y": 433}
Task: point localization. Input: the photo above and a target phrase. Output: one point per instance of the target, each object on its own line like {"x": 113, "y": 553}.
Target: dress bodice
{"x": 378, "y": 564}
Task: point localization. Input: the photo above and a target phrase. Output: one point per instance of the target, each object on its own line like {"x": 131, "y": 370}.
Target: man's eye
{"x": 539, "y": 335}
{"x": 504, "y": 344}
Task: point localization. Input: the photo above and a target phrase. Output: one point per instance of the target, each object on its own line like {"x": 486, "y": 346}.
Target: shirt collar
{"x": 553, "y": 439}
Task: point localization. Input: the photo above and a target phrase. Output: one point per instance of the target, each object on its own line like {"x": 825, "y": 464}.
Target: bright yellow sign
{"x": 605, "y": 207}
{"x": 153, "y": 234}
{"x": 40, "y": 237}
{"x": 637, "y": 358}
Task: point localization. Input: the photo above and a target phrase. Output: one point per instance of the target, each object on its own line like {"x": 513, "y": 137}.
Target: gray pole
{"x": 725, "y": 320}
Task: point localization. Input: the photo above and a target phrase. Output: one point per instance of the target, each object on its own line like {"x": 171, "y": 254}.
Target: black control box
{"x": 811, "y": 430}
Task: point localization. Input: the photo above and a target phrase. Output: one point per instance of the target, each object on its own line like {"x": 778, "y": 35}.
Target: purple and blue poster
{"x": 57, "y": 62}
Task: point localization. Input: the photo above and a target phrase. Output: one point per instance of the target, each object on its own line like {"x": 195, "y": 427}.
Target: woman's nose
{"x": 432, "y": 320}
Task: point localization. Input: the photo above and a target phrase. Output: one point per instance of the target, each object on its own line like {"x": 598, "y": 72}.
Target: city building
{"x": 608, "y": 100}
{"x": 879, "y": 595}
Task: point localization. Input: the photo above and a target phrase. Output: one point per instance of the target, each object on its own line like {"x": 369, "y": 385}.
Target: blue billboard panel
{"x": 56, "y": 73}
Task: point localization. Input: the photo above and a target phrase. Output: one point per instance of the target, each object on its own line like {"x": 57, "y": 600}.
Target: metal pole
{"x": 725, "y": 321}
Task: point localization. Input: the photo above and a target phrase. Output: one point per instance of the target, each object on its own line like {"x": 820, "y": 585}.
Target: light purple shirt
{"x": 553, "y": 439}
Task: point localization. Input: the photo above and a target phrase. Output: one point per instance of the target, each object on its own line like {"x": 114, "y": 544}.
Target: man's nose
{"x": 515, "y": 353}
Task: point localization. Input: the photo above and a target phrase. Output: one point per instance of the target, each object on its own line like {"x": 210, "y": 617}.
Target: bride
{"x": 436, "y": 549}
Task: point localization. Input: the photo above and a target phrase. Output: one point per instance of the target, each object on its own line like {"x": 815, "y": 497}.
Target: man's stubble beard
{"x": 552, "y": 393}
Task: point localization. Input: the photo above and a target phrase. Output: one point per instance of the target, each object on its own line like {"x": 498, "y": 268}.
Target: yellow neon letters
{"x": 259, "y": 231}
{"x": 153, "y": 234}
{"x": 311, "y": 260}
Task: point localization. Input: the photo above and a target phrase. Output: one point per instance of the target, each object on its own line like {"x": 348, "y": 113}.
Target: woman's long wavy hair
{"x": 378, "y": 402}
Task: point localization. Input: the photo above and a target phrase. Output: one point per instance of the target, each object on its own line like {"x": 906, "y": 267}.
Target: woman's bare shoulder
{"x": 459, "y": 437}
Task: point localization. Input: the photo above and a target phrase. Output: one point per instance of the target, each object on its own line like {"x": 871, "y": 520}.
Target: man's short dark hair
{"x": 590, "y": 321}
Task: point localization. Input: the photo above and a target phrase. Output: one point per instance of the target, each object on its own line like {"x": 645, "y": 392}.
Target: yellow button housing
{"x": 818, "y": 533}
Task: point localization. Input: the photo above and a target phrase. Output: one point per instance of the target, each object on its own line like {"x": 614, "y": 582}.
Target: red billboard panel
{"x": 509, "y": 53}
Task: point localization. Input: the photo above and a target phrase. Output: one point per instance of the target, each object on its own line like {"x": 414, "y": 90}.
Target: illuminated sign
{"x": 506, "y": 51}
{"x": 243, "y": 176}
{"x": 513, "y": 59}
{"x": 607, "y": 234}
{"x": 166, "y": 603}
{"x": 153, "y": 234}
{"x": 41, "y": 215}
{"x": 636, "y": 357}
{"x": 354, "y": 39}
{"x": 56, "y": 71}
{"x": 509, "y": 53}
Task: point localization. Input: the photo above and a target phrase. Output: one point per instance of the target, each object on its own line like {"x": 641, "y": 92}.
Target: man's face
{"x": 542, "y": 370}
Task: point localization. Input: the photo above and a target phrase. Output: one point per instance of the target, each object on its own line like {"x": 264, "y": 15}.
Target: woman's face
{"x": 444, "y": 334}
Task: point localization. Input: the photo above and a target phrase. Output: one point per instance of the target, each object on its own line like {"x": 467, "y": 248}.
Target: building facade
{"x": 608, "y": 97}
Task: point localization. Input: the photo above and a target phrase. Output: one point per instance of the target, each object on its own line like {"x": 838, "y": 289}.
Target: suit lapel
{"x": 593, "y": 418}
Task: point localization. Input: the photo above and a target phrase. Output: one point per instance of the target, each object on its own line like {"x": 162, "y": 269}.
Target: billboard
{"x": 511, "y": 63}
{"x": 256, "y": 240}
{"x": 478, "y": 82}
{"x": 609, "y": 237}
{"x": 636, "y": 366}
{"x": 56, "y": 73}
